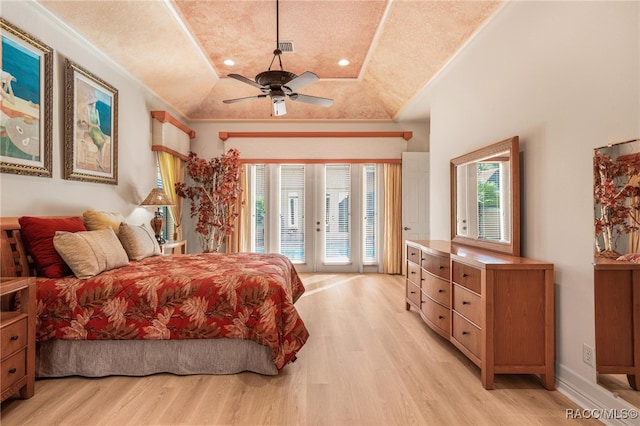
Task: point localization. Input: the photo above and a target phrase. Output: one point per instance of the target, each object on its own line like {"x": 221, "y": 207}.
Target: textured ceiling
{"x": 177, "y": 48}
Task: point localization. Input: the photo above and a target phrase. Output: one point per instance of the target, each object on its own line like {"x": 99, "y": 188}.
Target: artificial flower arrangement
{"x": 617, "y": 201}
{"x": 214, "y": 195}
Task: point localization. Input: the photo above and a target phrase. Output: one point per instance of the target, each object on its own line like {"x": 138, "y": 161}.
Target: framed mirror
{"x": 616, "y": 190}
{"x": 485, "y": 197}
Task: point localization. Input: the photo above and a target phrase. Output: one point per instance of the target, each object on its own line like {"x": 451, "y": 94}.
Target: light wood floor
{"x": 618, "y": 384}
{"x": 368, "y": 362}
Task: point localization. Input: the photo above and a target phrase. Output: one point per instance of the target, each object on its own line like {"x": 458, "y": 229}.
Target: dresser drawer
{"x": 413, "y": 293}
{"x": 13, "y": 369}
{"x": 437, "y": 314}
{"x": 436, "y": 288}
{"x": 466, "y": 333}
{"x": 13, "y": 337}
{"x": 466, "y": 276}
{"x": 467, "y": 304}
{"x": 413, "y": 254}
{"x": 437, "y": 265}
{"x": 413, "y": 273}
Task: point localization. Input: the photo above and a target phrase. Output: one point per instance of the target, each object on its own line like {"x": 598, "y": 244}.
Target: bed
{"x": 208, "y": 313}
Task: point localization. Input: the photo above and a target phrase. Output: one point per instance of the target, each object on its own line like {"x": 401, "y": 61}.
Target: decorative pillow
{"x": 37, "y": 235}
{"x": 90, "y": 252}
{"x": 631, "y": 257}
{"x": 95, "y": 220}
{"x": 138, "y": 241}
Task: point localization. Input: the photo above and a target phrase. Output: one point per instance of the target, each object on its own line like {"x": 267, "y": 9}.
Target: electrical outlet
{"x": 587, "y": 354}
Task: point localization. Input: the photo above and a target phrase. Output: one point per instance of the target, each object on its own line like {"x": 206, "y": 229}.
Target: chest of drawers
{"x": 17, "y": 339}
{"x": 498, "y": 310}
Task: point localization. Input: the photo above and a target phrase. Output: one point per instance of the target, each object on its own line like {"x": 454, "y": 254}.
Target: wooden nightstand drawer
{"x": 18, "y": 338}
{"x": 466, "y": 333}
{"x": 467, "y": 304}
{"x": 13, "y": 369}
{"x": 13, "y": 336}
{"x": 466, "y": 276}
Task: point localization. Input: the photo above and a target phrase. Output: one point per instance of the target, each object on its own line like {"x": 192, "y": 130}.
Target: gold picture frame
{"x": 91, "y": 127}
{"x": 26, "y": 103}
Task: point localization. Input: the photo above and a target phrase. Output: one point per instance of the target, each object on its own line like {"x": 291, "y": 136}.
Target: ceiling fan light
{"x": 343, "y": 62}
{"x": 229, "y": 62}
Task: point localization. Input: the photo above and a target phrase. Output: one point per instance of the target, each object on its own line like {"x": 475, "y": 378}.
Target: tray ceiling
{"x": 178, "y": 48}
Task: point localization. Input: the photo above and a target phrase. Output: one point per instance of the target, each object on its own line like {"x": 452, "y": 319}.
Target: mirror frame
{"x": 513, "y": 146}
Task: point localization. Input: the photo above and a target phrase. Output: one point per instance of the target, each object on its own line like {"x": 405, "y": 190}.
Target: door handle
{"x": 406, "y": 228}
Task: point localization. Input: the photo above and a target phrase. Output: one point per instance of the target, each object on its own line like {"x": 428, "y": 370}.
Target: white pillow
{"x": 138, "y": 241}
{"x": 90, "y": 252}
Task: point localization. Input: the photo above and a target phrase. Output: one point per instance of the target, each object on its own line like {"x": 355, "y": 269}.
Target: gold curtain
{"x": 634, "y": 236}
{"x": 392, "y": 226}
{"x": 172, "y": 172}
{"x": 238, "y": 240}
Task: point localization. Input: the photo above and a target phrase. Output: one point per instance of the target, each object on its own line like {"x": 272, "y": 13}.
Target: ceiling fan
{"x": 280, "y": 84}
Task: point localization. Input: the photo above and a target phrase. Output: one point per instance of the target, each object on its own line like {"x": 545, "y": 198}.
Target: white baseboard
{"x": 595, "y": 399}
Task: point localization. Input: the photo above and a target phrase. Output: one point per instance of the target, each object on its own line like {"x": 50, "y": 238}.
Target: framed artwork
{"x": 26, "y": 103}
{"x": 91, "y": 127}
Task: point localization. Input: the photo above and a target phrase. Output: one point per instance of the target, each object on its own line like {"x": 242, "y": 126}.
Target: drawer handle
{"x": 14, "y": 338}
{"x": 441, "y": 267}
{"x": 464, "y": 302}
{"x": 440, "y": 317}
{"x": 12, "y": 371}
{"x": 413, "y": 292}
{"x": 440, "y": 291}
{"x": 413, "y": 273}
{"x": 465, "y": 333}
{"x": 423, "y": 258}
{"x": 412, "y": 254}
{"x": 422, "y": 279}
{"x": 465, "y": 275}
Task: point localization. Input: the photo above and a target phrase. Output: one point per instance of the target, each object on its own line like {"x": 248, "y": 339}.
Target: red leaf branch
{"x": 213, "y": 196}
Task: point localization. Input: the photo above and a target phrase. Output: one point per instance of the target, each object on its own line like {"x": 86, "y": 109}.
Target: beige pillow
{"x": 95, "y": 220}
{"x": 90, "y": 252}
{"x": 138, "y": 241}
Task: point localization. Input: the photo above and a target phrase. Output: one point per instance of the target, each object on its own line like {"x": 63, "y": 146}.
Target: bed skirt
{"x": 99, "y": 358}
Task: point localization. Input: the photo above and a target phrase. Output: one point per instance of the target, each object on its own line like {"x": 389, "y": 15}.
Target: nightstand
{"x": 170, "y": 247}
{"x": 18, "y": 339}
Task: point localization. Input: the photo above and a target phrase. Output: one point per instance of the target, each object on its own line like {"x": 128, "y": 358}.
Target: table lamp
{"x": 157, "y": 197}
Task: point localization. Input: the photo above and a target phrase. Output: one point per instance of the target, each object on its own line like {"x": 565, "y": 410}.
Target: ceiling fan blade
{"x": 314, "y": 100}
{"x": 279, "y": 108}
{"x": 301, "y": 81}
{"x": 249, "y": 98}
{"x": 245, "y": 80}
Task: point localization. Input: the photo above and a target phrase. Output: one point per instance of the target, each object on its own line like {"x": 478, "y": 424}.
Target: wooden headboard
{"x": 15, "y": 262}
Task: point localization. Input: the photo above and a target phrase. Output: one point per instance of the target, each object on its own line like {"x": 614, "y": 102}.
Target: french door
{"x": 324, "y": 217}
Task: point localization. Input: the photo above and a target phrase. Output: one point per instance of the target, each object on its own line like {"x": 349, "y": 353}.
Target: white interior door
{"x": 415, "y": 195}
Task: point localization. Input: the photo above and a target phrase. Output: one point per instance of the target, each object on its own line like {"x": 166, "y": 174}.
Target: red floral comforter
{"x": 195, "y": 296}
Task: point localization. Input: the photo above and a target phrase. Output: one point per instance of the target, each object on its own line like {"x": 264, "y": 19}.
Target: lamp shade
{"x": 157, "y": 197}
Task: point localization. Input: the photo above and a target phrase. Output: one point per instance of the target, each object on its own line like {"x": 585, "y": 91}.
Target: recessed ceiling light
{"x": 343, "y": 62}
{"x": 229, "y": 62}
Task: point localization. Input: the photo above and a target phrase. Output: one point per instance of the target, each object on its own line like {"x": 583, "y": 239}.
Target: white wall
{"x": 27, "y": 195}
{"x": 208, "y": 145}
{"x": 565, "y": 77}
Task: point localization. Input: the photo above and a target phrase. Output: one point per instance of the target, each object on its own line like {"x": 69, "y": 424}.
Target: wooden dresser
{"x": 497, "y": 309}
{"x": 18, "y": 338}
{"x": 617, "y": 318}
